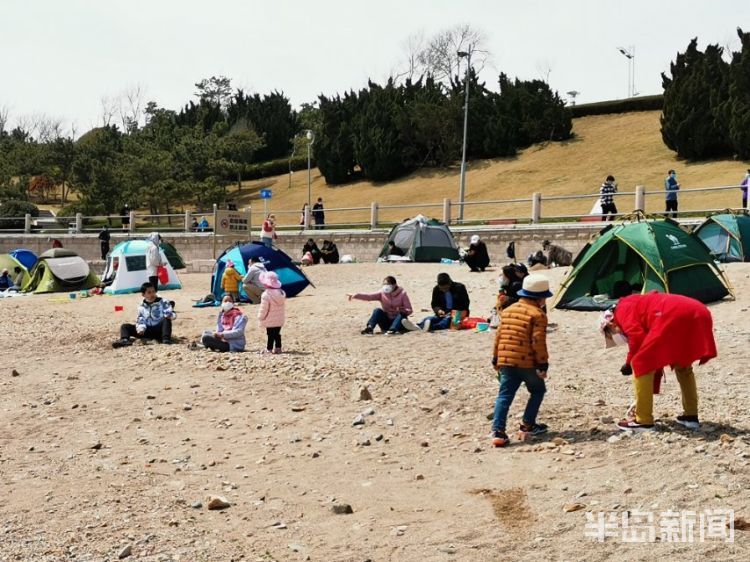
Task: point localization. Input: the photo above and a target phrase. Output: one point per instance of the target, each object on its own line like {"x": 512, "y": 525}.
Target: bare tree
{"x": 109, "y": 110}
{"x": 438, "y": 55}
{"x": 544, "y": 69}
{"x": 4, "y": 118}
{"x": 131, "y": 105}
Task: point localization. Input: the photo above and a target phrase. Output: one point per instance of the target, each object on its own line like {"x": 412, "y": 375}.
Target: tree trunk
{"x": 239, "y": 182}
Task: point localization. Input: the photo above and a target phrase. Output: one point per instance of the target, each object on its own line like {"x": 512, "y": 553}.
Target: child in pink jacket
{"x": 395, "y": 304}
{"x": 271, "y": 314}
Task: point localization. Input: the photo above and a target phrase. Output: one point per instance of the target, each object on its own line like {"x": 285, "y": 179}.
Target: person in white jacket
{"x": 153, "y": 258}
{"x": 251, "y": 282}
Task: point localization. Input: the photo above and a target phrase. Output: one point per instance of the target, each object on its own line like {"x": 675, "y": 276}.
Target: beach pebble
{"x": 342, "y": 509}
{"x": 359, "y": 420}
{"x": 218, "y": 502}
{"x": 364, "y": 393}
{"x": 125, "y": 552}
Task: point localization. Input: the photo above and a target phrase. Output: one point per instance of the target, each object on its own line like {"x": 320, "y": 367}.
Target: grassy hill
{"x": 628, "y": 146}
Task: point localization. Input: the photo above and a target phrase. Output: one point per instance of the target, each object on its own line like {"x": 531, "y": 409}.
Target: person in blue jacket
{"x": 154, "y": 321}
{"x": 671, "y": 187}
{"x": 230, "y": 328}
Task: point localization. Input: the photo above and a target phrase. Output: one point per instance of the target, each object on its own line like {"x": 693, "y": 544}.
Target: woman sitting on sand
{"x": 395, "y": 308}
{"x": 230, "y": 328}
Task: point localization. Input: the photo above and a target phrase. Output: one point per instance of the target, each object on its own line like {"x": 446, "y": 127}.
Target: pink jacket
{"x": 393, "y": 303}
{"x": 271, "y": 312}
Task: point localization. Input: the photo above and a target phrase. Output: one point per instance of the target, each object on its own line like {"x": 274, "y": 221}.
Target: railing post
{"x": 79, "y": 223}
{"x": 308, "y": 215}
{"x": 536, "y": 207}
{"x": 447, "y": 211}
{"x": 188, "y": 221}
{"x": 131, "y": 226}
{"x": 640, "y": 198}
{"x": 27, "y": 223}
{"x": 373, "y": 215}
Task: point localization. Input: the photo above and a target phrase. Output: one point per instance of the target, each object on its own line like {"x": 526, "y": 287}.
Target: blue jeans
{"x": 267, "y": 242}
{"x": 437, "y": 323}
{"x": 510, "y": 380}
{"x": 380, "y": 318}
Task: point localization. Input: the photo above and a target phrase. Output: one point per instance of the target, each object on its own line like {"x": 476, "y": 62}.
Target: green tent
{"x": 173, "y": 257}
{"x": 651, "y": 255}
{"x": 422, "y": 240}
{"x": 60, "y": 270}
{"x": 727, "y": 236}
{"x": 10, "y": 263}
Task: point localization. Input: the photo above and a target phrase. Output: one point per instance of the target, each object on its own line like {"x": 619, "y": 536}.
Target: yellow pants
{"x": 644, "y": 394}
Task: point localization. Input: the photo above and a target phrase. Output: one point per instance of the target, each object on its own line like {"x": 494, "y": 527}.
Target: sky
{"x": 60, "y": 57}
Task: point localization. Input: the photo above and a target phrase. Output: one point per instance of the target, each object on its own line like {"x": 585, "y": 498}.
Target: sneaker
{"x": 500, "y": 439}
{"x": 632, "y": 425}
{"x": 409, "y": 325}
{"x": 265, "y": 351}
{"x": 121, "y": 343}
{"x": 426, "y": 325}
{"x": 277, "y": 351}
{"x": 534, "y": 428}
{"x": 166, "y": 341}
{"x": 367, "y": 331}
{"x": 691, "y": 422}
{"x": 392, "y": 333}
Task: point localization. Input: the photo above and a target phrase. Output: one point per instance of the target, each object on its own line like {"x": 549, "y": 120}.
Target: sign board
{"x": 265, "y": 193}
{"x": 232, "y": 223}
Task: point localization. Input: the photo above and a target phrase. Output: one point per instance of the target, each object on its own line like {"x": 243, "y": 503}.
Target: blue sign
{"x": 265, "y": 193}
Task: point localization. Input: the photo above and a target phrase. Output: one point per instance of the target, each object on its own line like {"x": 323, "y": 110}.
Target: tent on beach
{"x": 422, "y": 240}
{"x": 125, "y": 270}
{"x": 727, "y": 236}
{"x": 60, "y": 270}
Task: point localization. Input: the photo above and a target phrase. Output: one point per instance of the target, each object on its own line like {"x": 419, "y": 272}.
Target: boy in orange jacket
{"x": 520, "y": 356}
{"x": 230, "y": 281}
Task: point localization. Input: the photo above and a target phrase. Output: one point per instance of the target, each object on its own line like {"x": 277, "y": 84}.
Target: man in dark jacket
{"x": 447, "y": 297}
{"x": 477, "y": 257}
{"x": 319, "y": 215}
{"x": 104, "y": 238}
{"x": 329, "y": 252}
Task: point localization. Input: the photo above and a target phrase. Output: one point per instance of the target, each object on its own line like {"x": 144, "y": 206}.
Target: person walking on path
{"x": 607, "y": 198}
{"x": 104, "y": 237}
{"x": 319, "y": 214}
{"x": 671, "y": 186}
{"x": 660, "y": 330}
{"x": 520, "y": 357}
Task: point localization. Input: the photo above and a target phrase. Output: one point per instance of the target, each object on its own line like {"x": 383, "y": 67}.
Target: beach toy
{"x": 73, "y": 296}
{"x": 119, "y": 308}
{"x": 482, "y": 326}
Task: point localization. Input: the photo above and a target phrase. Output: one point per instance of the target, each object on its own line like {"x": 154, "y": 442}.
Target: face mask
{"x": 387, "y": 289}
{"x": 227, "y": 306}
{"x": 619, "y": 339}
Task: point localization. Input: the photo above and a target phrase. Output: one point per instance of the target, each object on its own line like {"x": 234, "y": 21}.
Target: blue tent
{"x": 25, "y": 257}
{"x": 293, "y": 281}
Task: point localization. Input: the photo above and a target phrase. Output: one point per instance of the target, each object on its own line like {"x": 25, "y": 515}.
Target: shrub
{"x": 15, "y": 209}
{"x": 643, "y": 103}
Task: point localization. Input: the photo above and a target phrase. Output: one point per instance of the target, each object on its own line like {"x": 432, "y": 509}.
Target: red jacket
{"x": 665, "y": 330}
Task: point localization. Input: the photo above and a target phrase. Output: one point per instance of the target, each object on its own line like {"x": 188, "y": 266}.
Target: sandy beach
{"x": 114, "y": 453}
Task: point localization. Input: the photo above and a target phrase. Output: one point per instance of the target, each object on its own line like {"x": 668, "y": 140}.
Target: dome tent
{"x": 422, "y": 240}
{"x": 9, "y": 262}
{"x": 726, "y": 235}
{"x": 27, "y": 258}
{"x": 125, "y": 271}
{"x": 59, "y": 270}
{"x": 648, "y": 254}
{"x": 293, "y": 281}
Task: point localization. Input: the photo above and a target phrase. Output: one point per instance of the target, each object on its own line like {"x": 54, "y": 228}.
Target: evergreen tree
{"x": 738, "y": 106}
{"x": 334, "y": 148}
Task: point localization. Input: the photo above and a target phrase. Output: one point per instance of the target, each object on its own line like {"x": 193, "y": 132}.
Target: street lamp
{"x": 462, "y": 188}
{"x": 573, "y": 94}
{"x": 310, "y": 140}
{"x": 630, "y": 55}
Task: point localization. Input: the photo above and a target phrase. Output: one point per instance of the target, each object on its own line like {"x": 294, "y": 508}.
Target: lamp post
{"x": 573, "y": 94}
{"x": 310, "y": 140}
{"x": 462, "y": 188}
{"x": 630, "y": 55}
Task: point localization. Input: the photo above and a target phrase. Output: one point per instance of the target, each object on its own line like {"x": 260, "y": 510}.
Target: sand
{"x": 107, "y": 452}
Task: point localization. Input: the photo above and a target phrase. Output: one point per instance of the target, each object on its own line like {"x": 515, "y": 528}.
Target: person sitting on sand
{"x": 450, "y": 302}
{"x": 17, "y": 278}
{"x": 477, "y": 257}
{"x": 311, "y": 248}
{"x": 394, "y": 308}
{"x": 154, "y": 320}
{"x": 394, "y": 250}
{"x": 329, "y": 251}
{"x": 511, "y": 281}
{"x": 5, "y": 280}
{"x": 230, "y": 328}
{"x": 660, "y": 330}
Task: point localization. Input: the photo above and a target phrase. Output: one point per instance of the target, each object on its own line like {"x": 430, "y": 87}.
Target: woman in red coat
{"x": 660, "y": 330}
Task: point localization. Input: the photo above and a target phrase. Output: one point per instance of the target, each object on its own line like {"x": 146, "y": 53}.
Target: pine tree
{"x": 738, "y": 106}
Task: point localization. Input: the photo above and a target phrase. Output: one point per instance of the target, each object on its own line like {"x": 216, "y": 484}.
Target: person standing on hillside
{"x": 319, "y": 214}
{"x": 743, "y": 186}
{"x": 671, "y": 187}
{"x": 607, "y": 198}
{"x": 104, "y": 238}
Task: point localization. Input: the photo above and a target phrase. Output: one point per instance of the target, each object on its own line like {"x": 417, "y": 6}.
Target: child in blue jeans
{"x": 520, "y": 356}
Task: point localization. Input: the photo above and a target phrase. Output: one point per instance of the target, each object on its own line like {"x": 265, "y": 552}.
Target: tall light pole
{"x": 630, "y": 55}
{"x": 462, "y": 188}
{"x": 573, "y": 94}
{"x": 310, "y": 140}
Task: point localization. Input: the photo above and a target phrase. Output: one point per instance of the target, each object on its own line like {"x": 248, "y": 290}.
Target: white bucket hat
{"x": 535, "y": 286}
{"x": 475, "y": 239}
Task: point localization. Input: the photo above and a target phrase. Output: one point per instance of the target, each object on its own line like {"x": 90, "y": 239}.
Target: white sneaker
{"x": 426, "y": 325}
{"x": 409, "y": 325}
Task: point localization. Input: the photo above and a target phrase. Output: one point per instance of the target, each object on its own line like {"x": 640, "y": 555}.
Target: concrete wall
{"x": 364, "y": 246}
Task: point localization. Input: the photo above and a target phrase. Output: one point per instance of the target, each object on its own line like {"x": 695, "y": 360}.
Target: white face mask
{"x": 227, "y": 306}
{"x": 504, "y": 282}
{"x": 619, "y": 338}
{"x": 387, "y": 289}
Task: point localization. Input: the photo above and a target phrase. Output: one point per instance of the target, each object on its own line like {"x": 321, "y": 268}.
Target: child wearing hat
{"x": 230, "y": 281}
{"x": 520, "y": 357}
{"x": 271, "y": 315}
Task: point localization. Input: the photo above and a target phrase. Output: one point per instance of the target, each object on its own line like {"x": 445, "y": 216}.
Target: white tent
{"x": 125, "y": 271}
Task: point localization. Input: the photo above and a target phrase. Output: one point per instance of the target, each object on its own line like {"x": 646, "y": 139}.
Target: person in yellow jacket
{"x": 520, "y": 357}
{"x": 230, "y": 281}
